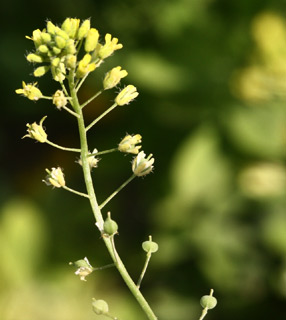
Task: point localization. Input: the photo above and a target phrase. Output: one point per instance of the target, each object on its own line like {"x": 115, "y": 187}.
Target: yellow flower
{"x": 36, "y": 131}
{"x": 128, "y": 144}
{"x": 126, "y": 95}
{"x": 109, "y": 47}
{"x": 113, "y": 77}
{"x": 55, "y": 177}
{"x": 30, "y": 91}
{"x": 141, "y": 165}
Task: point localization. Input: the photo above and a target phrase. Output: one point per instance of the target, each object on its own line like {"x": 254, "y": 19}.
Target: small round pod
{"x": 208, "y": 302}
{"x": 100, "y": 306}
{"x": 150, "y": 246}
{"x": 110, "y": 227}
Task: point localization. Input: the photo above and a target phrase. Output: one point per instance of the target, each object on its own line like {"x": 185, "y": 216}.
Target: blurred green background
{"x": 211, "y": 76}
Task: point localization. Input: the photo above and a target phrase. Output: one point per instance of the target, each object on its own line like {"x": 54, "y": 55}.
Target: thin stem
{"x": 70, "y": 111}
{"x": 116, "y": 191}
{"x": 105, "y": 267}
{"x": 94, "y": 205}
{"x": 92, "y": 98}
{"x": 204, "y": 313}
{"x": 103, "y": 152}
{"x": 100, "y": 117}
{"x": 148, "y": 257}
{"x": 81, "y": 82}
{"x": 62, "y": 148}
{"x": 64, "y": 88}
{"x": 76, "y": 192}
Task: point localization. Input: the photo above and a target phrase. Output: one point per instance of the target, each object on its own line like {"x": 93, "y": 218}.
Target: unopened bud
{"x": 59, "y": 99}
{"x": 128, "y": 144}
{"x": 40, "y": 71}
{"x": 83, "y": 29}
{"x": 126, "y": 95}
{"x": 32, "y": 57}
{"x": 91, "y": 40}
{"x": 113, "y": 77}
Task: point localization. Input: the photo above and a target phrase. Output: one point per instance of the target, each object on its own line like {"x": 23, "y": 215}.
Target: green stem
{"x": 148, "y": 257}
{"x": 70, "y": 111}
{"x": 103, "y": 152}
{"x": 94, "y": 205}
{"x": 101, "y": 116}
{"x": 116, "y": 191}
{"x": 92, "y": 98}
{"x": 76, "y": 192}
{"x": 62, "y": 148}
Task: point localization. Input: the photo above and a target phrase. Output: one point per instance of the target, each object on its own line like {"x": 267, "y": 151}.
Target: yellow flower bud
{"x": 85, "y": 66}
{"x": 141, "y": 165}
{"x": 55, "y": 178}
{"x": 30, "y": 91}
{"x": 70, "y": 47}
{"x": 40, "y": 71}
{"x": 109, "y": 47}
{"x": 70, "y": 61}
{"x": 113, "y": 77}
{"x": 32, "y": 57}
{"x": 36, "y": 131}
{"x": 128, "y": 144}
{"x": 83, "y": 29}
{"x": 91, "y": 40}
{"x": 60, "y": 42}
{"x": 43, "y": 48}
{"x": 126, "y": 95}
{"x": 46, "y": 37}
{"x": 70, "y": 26}
{"x": 51, "y": 28}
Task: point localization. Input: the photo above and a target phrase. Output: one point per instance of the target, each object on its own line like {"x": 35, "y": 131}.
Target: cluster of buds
{"x": 57, "y": 48}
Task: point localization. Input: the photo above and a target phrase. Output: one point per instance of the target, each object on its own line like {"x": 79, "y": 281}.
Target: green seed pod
{"x": 150, "y": 246}
{"x": 110, "y": 227}
{"x": 208, "y": 302}
{"x": 100, "y": 306}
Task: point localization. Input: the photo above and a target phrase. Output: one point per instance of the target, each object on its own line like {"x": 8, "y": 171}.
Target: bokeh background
{"x": 212, "y": 81}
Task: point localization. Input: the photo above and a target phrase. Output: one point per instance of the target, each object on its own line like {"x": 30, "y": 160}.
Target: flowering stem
{"x": 100, "y": 117}
{"x": 103, "y": 152}
{"x": 62, "y": 148}
{"x": 116, "y": 191}
{"x": 76, "y": 192}
{"x": 92, "y": 98}
{"x": 148, "y": 257}
{"x": 95, "y": 207}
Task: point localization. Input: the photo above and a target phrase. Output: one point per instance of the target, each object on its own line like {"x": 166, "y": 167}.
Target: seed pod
{"x": 110, "y": 227}
{"x": 208, "y": 302}
{"x": 150, "y": 246}
{"x": 100, "y": 306}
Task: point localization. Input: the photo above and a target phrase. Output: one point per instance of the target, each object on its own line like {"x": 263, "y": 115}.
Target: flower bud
{"x": 59, "y": 99}
{"x": 43, "y": 48}
{"x": 40, "y": 71}
{"x": 113, "y": 77}
{"x": 55, "y": 178}
{"x": 30, "y": 91}
{"x": 56, "y": 50}
{"x": 110, "y": 227}
{"x": 128, "y": 144}
{"x": 70, "y": 47}
{"x": 100, "y": 306}
{"x": 83, "y": 29}
{"x": 141, "y": 165}
{"x": 46, "y": 37}
{"x": 70, "y": 26}
{"x": 85, "y": 66}
{"x": 60, "y": 42}
{"x": 36, "y": 37}
{"x": 36, "y": 131}
{"x": 109, "y": 47}
{"x": 70, "y": 61}
{"x": 51, "y": 28}
{"x": 126, "y": 95}
{"x": 208, "y": 301}
{"x": 32, "y": 57}
{"x": 84, "y": 268}
{"x": 91, "y": 40}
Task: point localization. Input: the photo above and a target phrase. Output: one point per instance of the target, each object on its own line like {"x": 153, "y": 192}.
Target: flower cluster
{"x": 57, "y": 48}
